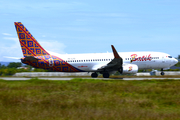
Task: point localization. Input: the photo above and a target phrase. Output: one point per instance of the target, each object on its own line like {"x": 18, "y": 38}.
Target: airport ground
{"x": 89, "y": 99}
{"x": 69, "y": 76}
{"x": 100, "y": 78}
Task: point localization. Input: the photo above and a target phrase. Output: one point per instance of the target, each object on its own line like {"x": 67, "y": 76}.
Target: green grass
{"x": 90, "y": 100}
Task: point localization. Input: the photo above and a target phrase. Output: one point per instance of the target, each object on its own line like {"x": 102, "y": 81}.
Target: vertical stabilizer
{"x": 29, "y": 45}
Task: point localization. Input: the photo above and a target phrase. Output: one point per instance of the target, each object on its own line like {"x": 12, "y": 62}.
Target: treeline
{"x": 178, "y": 64}
{"x": 15, "y": 67}
{"x": 11, "y": 65}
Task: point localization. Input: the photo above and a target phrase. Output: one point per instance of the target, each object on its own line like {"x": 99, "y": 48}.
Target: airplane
{"x": 104, "y": 63}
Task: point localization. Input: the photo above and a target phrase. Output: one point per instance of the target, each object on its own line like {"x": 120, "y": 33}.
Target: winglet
{"x": 116, "y": 55}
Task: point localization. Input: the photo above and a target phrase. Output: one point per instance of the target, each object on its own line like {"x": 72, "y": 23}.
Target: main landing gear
{"x": 106, "y": 75}
{"x": 162, "y": 73}
{"x": 95, "y": 75}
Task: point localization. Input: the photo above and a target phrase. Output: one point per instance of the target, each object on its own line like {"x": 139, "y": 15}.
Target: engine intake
{"x": 130, "y": 68}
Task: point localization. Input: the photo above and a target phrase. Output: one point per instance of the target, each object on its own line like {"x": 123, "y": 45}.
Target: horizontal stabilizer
{"x": 17, "y": 58}
{"x": 30, "y": 58}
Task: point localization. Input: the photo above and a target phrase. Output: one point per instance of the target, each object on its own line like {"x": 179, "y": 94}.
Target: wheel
{"x": 121, "y": 70}
{"x": 162, "y": 73}
{"x": 105, "y": 75}
{"x": 94, "y": 75}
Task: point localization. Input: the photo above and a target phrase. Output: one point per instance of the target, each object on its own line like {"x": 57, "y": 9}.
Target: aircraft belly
{"x": 144, "y": 64}
{"x": 164, "y": 65}
{"x": 84, "y": 66}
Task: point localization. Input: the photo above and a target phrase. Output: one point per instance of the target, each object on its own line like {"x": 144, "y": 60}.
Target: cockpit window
{"x": 169, "y": 56}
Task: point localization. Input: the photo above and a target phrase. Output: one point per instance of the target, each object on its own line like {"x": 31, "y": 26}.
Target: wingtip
{"x": 112, "y": 46}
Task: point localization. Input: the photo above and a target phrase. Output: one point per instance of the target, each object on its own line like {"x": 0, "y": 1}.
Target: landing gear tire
{"x": 121, "y": 70}
{"x": 162, "y": 73}
{"x": 105, "y": 75}
{"x": 94, "y": 75}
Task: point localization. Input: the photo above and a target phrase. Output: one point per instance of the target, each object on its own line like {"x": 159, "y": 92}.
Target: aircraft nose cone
{"x": 176, "y": 61}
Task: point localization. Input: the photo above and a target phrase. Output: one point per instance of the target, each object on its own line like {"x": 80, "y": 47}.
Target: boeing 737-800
{"x": 103, "y": 63}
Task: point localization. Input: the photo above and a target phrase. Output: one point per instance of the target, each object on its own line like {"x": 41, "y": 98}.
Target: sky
{"x": 92, "y": 26}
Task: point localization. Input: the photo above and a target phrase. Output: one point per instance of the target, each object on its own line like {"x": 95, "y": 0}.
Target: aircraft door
{"x": 51, "y": 62}
{"x": 163, "y": 59}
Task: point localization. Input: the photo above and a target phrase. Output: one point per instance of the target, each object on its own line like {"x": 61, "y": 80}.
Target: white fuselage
{"x": 144, "y": 60}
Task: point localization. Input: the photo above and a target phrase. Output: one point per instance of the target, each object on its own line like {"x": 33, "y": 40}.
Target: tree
{"x": 2, "y": 66}
{"x": 14, "y": 65}
{"x": 178, "y": 64}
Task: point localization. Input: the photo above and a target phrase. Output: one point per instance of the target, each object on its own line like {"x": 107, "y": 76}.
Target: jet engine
{"x": 129, "y": 68}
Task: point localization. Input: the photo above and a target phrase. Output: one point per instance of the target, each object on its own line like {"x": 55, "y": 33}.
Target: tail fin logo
{"x": 29, "y": 45}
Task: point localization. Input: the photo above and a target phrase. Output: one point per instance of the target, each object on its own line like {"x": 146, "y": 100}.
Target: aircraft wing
{"x": 115, "y": 64}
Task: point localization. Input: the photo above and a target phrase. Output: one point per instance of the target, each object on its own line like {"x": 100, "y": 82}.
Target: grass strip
{"x": 89, "y": 99}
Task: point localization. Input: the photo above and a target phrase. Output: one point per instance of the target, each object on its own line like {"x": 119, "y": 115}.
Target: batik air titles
{"x": 103, "y": 63}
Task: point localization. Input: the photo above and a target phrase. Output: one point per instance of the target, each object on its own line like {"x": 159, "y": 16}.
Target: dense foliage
{"x": 16, "y": 67}
{"x": 178, "y": 64}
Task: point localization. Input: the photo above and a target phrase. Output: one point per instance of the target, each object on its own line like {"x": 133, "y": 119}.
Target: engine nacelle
{"x": 130, "y": 68}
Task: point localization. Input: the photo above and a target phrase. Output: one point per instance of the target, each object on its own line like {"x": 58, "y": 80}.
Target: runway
{"x": 48, "y": 78}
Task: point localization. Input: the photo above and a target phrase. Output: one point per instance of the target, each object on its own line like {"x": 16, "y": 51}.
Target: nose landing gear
{"x": 162, "y": 73}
